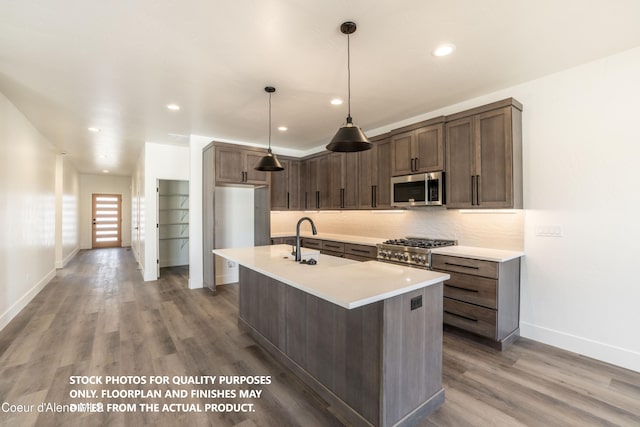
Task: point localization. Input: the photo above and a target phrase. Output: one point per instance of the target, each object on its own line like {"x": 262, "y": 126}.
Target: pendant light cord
{"x": 348, "y": 80}
{"x": 269, "y": 122}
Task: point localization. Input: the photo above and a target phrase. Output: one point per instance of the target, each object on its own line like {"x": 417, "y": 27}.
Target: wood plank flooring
{"x": 97, "y": 317}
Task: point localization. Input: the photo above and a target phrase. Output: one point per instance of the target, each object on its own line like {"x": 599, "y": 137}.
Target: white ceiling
{"x": 68, "y": 65}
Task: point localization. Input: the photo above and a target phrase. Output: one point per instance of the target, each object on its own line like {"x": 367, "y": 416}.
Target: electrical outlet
{"x": 548, "y": 230}
{"x": 416, "y": 302}
{"x": 231, "y": 264}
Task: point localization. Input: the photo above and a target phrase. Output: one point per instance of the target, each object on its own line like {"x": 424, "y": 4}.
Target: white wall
{"x": 27, "y": 211}
{"x": 105, "y": 184}
{"x": 67, "y": 211}
{"x": 137, "y": 211}
{"x": 161, "y": 162}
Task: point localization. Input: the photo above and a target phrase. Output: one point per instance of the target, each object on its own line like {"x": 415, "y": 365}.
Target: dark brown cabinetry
{"x": 317, "y": 173}
{"x": 484, "y": 157}
{"x": 285, "y": 186}
{"x": 308, "y": 242}
{"x": 374, "y": 175}
{"x": 343, "y": 180}
{"x": 481, "y": 297}
{"x": 235, "y": 165}
{"x": 418, "y": 148}
{"x": 354, "y": 251}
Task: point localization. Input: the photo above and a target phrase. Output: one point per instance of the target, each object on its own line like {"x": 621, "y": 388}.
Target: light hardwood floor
{"x": 97, "y": 317}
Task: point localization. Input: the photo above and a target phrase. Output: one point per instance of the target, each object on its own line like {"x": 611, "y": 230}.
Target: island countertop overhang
{"x": 346, "y": 283}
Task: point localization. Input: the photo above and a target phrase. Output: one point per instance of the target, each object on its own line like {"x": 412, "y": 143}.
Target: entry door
{"x": 107, "y": 221}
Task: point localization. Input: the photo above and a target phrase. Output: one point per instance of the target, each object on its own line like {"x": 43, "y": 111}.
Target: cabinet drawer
{"x": 475, "y": 267}
{"x": 330, "y": 245}
{"x": 361, "y": 250}
{"x": 472, "y": 289}
{"x": 332, "y": 253}
{"x": 311, "y": 243}
{"x": 479, "y": 320}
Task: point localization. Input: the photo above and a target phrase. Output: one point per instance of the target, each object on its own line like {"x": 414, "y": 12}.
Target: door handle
{"x": 477, "y": 190}
{"x": 473, "y": 190}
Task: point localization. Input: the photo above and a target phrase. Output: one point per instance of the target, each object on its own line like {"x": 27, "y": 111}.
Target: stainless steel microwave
{"x": 425, "y": 189}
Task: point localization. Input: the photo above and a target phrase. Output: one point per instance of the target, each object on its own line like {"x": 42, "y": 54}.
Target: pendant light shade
{"x": 349, "y": 137}
{"x": 269, "y": 163}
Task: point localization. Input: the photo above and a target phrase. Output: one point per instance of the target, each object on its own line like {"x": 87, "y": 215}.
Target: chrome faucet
{"x": 313, "y": 230}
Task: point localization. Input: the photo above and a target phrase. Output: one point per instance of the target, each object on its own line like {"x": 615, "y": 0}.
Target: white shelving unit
{"x": 173, "y": 223}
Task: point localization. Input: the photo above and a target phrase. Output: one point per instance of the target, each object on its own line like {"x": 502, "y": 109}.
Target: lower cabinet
{"x": 481, "y": 297}
{"x": 288, "y": 240}
{"x": 351, "y": 251}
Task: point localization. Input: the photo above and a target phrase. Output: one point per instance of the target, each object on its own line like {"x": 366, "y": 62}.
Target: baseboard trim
{"x": 604, "y": 352}
{"x": 64, "y": 262}
{"x": 17, "y": 307}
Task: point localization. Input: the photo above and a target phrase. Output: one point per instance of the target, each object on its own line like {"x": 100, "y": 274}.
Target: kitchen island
{"x": 366, "y": 336}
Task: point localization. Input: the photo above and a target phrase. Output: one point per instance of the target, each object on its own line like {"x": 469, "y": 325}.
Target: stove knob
{"x": 405, "y": 257}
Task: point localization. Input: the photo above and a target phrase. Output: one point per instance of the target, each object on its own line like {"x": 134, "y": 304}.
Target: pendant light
{"x": 269, "y": 163}
{"x": 349, "y": 137}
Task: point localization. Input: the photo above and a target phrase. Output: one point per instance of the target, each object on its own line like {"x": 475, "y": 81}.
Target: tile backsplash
{"x": 495, "y": 229}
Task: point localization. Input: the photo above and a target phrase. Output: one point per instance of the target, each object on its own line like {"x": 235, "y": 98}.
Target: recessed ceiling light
{"x": 444, "y": 50}
{"x": 173, "y": 107}
{"x": 336, "y": 101}
{"x": 282, "y": 128}
{"x": 102, "y": 156}
{"x": 92, "y": 129}
{"x": 105, "y": 170}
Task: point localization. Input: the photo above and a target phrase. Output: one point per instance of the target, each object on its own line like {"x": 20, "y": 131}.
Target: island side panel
{"x": 412, "y": 355}
{"x": 343, "y": 352}
{"x": 262, "y": 305}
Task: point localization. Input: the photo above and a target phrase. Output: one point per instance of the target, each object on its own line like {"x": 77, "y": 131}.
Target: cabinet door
{"x": 402, "y": 154}
{"x": 350, "y": 181}
{"x": 280, "y": 187}
{"x": 305, "y": 192}
{"x": 382, "y": 190}
{"x": 293, "y": 181}
{"x": 229, "y": 165}
{"x": 337, "y": 164}
{"x": 460, "y": 178}
{"x": 367, "y": 162}
{"x": 428, "y": 149}
{"x": 323, "y": 181}
{"x": 494, "y": 164}
{"x": 253, "y": 176}
{"x": 312, "y": 172}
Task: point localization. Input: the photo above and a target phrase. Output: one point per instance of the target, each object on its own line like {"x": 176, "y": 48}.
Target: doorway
{"x": 107, "y": 220}
{"x": 173, "y": 224}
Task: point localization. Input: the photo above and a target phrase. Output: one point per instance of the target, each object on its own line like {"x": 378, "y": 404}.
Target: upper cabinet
{"x": 484, "y": 157}
{"x": 235, "y": 165}
{"x": 418, "y": 148}
{"x": 317, "y": 182}
{"x": 374, "y": 175}
{"x": 285, "y": 186}
{"x": 343, "y": 180}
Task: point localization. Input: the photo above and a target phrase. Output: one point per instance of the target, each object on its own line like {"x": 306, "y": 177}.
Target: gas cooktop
{"x": 419, "y": 242}
{"x": 414, "y": 251}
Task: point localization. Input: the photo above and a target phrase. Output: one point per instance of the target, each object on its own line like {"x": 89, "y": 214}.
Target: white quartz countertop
{"x": 486, "y": 254}
{"x": 345, "y": 238}
{"x": 349, "y": 284}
